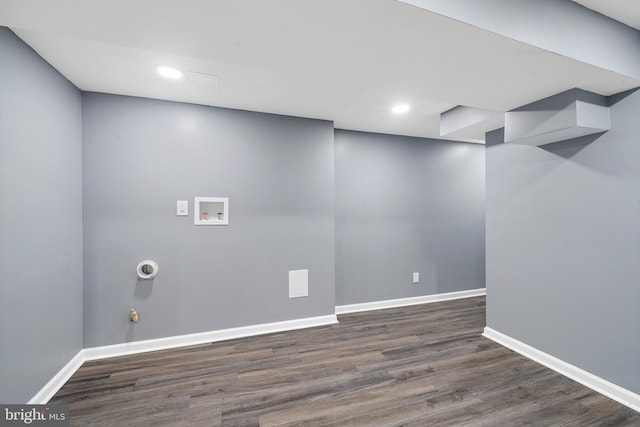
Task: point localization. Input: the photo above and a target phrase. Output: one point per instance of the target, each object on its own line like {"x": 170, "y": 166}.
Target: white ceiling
{"x": 346, "y": 61}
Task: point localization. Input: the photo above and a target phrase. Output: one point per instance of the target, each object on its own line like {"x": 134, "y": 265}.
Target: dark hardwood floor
{"x": 424, "y": 365}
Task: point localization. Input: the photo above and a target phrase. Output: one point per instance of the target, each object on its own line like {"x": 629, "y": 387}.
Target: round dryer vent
{"x": 147, "y": 269}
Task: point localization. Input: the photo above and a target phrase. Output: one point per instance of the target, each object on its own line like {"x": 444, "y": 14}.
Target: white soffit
{"x": 471, "y": 124}
{"x": 562, "y": 27}
{"x": 625, "y": 11}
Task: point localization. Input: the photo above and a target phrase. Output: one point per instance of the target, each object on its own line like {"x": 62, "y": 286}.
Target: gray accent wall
{"x": 141, "y": 156}
{"x": 40, "y": 221}
{"x": 407, "y": 205}
{"x": 563, "y": 244}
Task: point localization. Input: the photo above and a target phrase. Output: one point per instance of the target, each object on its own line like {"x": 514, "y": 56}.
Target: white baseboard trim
{"x": 135, "y": 347}
{"x": 95, "y": 353}
{"x": 602, "y": 386}
{"x": 51, "y": 388}
{"x": 401, "y": 302}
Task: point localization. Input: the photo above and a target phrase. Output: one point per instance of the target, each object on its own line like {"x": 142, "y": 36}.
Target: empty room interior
{"x": 323, "y": 213}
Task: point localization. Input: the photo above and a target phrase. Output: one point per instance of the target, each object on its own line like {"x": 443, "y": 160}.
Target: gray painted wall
{"x": 40, "y": 221}
{"x": 403, "y": 205}
{"x": 140, "y": 156}
{"x": 563, "y": 244}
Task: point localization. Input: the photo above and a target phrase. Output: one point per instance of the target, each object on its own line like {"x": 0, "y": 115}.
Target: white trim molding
{"x": 602, "y": 386}
{"x": 136, "y": 347}
{"x": 402, "y": 302}
{"x": 95, "y": 353}
{"x": 51, "y": 388}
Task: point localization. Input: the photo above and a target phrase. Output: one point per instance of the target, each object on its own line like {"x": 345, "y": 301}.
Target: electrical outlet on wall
{"x": 416, "y": 277}
{"x": 182, "y": 208}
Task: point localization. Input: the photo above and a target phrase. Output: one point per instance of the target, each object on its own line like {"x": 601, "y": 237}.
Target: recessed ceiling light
{"x": 400, "y": 108}
{"x": 170, "y": 73}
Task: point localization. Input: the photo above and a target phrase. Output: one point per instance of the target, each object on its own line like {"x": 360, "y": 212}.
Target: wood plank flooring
{"x": 424, "y": 365}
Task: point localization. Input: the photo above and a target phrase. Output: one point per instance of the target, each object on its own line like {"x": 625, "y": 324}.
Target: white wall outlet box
{"x": 416, "y": 277}
{"x": 182, "y": 208}
{"x": 211, "y": 211}
{"x": 298, "y": 283}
